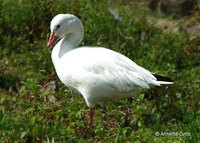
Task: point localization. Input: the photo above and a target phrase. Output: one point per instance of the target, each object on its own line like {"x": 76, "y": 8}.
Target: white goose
{"x": 99, "y": 74}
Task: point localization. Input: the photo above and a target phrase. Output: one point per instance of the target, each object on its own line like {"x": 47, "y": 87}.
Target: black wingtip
{"x": 163, "y": 78}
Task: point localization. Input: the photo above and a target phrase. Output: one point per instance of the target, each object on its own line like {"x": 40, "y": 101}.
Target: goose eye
{"x": 58, "y": 26}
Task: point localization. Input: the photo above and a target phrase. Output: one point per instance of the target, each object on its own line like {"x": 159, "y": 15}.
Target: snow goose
{"x": 99, "y": 74}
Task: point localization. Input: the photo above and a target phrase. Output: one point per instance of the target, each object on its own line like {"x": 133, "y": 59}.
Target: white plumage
{"x": 99, "y": 74}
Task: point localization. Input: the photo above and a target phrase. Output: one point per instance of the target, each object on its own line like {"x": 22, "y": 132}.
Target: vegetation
{"x": 32, "y": 110}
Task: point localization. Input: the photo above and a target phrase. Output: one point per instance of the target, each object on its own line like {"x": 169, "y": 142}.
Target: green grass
{"x": 26, "y": 113}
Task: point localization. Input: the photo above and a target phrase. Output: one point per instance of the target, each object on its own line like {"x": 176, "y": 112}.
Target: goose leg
{"x": 91, "y": 116}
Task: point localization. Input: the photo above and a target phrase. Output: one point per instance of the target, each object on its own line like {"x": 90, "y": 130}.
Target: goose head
{"x": 63, "y": 25}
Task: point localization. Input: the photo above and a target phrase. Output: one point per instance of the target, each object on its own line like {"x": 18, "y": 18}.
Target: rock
{"x": 177, "y": 7}
{"x": 191, "y": 27}
{"x": 49, "y": 87}
{"x": 153, "y": 4}
{"x": 161, "y": 23}
{"x": 195, "y": 30}
{"x": 52, "y": 99}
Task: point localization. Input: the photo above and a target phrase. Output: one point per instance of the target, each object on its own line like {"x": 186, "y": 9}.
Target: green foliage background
{"x": 27, "y": 115}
